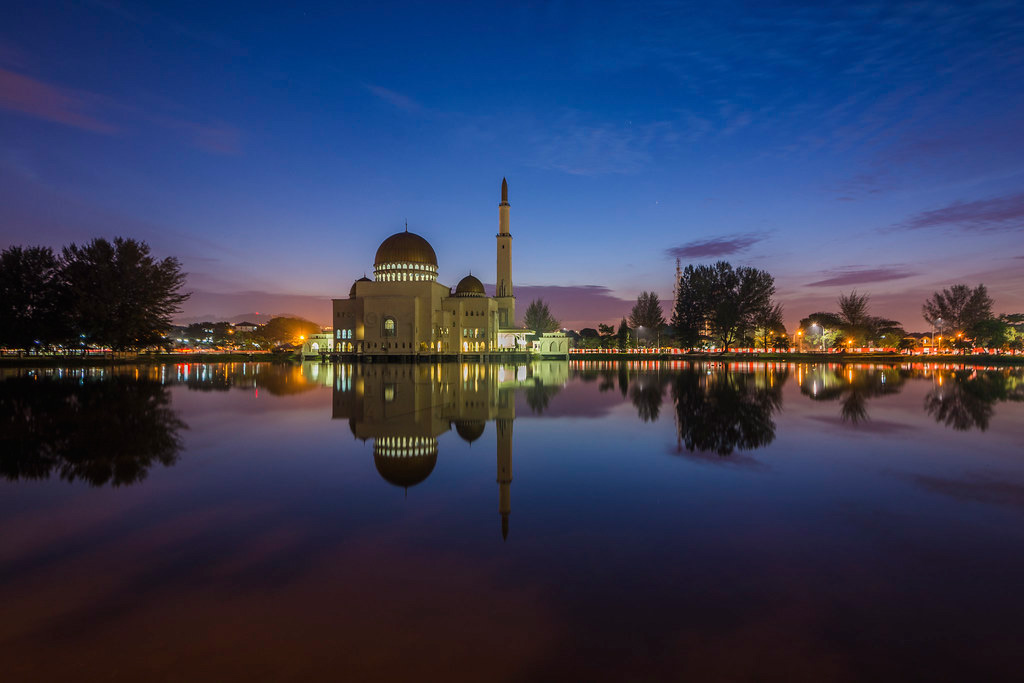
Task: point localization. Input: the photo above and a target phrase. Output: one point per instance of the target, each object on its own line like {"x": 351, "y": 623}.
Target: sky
{"x": 271, "y": 147}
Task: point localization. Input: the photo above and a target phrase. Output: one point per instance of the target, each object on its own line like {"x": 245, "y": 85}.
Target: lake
{"x": 557, "y": 521}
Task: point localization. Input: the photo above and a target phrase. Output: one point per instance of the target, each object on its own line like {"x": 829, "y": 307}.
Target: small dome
{"x": 470, "y": 430}
{"x": 469, "y": 286}
{"x": 352, "y": 292}
{"x": 405, "y": 247}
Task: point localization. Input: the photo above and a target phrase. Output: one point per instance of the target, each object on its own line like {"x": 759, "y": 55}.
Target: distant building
{"x": 405, "y": 311}
{"x": 245, "y": 326}
{"x": 315, "y": 344}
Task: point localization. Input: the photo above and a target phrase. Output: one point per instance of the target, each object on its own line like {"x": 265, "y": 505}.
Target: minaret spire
{"x": 503, "y": 290}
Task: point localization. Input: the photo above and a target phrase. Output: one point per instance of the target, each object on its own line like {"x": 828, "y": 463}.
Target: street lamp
{"x": 822, "y": 328}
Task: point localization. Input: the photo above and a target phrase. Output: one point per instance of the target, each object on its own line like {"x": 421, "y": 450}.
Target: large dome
{"x": 469, "y": 286}
{"x": 404, "y": 257}
{"x": 404, "y": 460}
{"x": 405, "y": 247}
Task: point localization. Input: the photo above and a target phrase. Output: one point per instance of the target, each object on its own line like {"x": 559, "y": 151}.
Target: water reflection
{"x": 723, "y": 409}
{"x": 403, "y": 409}
{"x": 965, "y": 399}
{"x": 108, "y": 430}
{"x": 850, "y": 386}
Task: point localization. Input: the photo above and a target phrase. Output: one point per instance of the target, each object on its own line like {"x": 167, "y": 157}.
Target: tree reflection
{"x": 725, "y": 410}
{"x": 965, "y": 399}
{"x": 851, "y": 387}
{"x": 108, "y": 431}
{"x": 538, "y": 396}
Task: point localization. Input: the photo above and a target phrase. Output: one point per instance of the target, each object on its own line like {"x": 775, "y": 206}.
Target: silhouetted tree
{"x": 854, "y": 323}
{"x": 120, "y": 295}
{"x": 538, "y": 317}
{"x": 647, "y": 313}
{"x": 768, "y": 326}
{"x": 285, "y": 330}
{"x": 31, "y": 293}
{"x": 622, "y": 336}
{"x": 959, "y": 308}
{"x": 724, "y": 300}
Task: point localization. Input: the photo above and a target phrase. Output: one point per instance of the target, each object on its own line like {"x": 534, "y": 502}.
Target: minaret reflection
{"x": 405, "y": 408}
{"x": 504, "y": 472}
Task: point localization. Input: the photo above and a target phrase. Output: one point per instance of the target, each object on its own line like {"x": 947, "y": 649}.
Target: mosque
{"x": 405, "y": 312}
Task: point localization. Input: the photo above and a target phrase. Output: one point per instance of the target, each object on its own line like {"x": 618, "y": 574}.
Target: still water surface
{"x": 512, "y": 523}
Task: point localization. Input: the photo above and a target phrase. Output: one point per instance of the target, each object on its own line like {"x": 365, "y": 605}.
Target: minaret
{"x": 503, "y": 290}
{"x": 504, "y": 472}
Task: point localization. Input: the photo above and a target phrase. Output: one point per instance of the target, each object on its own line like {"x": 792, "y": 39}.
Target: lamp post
{"x": 822, "y": 328}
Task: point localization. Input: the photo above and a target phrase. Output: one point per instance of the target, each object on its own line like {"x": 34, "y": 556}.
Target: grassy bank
{"x": 143, "y": 359}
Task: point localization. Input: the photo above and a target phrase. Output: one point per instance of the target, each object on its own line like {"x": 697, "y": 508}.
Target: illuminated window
{"x": 389, "y": 327}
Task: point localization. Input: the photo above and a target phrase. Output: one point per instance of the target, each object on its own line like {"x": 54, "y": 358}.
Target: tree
{"x": 647, "y": 312}
{"x": 607, "y": 333}
{"x": 589, "y": 338}
{"x": 855, "y": 324}
{"x": 768, "y": 326}
{"x": 538, "y": 317}
{"x": 285, "y": 330}
{"x": 120, "y": 295}
{"x": 622, "y": 336}
{"x": 30, "y": 293}
{"x": 958, "y": 308}
{"x": 724, "y": 300}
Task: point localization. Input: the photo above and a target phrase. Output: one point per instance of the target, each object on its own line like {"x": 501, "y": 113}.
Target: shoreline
{"x": 828, "y": 358}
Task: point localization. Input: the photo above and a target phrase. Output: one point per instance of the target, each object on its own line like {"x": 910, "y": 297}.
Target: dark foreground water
{"x": 552, "y": 522}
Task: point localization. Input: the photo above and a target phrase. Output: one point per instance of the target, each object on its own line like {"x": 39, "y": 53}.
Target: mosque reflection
{"x": 404, "y": 408}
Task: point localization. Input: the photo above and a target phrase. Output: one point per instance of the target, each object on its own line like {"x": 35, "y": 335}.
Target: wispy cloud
{"x": 857, "y": 275}
{"x": 983, "y": 215}
{"x": 101, "y": 114}
{"x": 396, "y": 99}
{"x": 31, "y": 97}
{"x": 715, "y": 247}
{"x": 572, "y": 144}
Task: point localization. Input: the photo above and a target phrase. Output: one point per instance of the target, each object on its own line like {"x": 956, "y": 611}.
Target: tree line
{"x": 720, "y": 306}
{"x": 105, "y": 294}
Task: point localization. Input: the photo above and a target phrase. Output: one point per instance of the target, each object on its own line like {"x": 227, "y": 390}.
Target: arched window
{"x": 389, "y": 327}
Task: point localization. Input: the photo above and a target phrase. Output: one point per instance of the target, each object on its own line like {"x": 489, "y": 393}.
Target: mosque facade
{"x": 405, "y": 312}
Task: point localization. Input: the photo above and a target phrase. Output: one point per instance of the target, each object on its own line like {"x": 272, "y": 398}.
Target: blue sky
{"x": 875, "y": 146}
